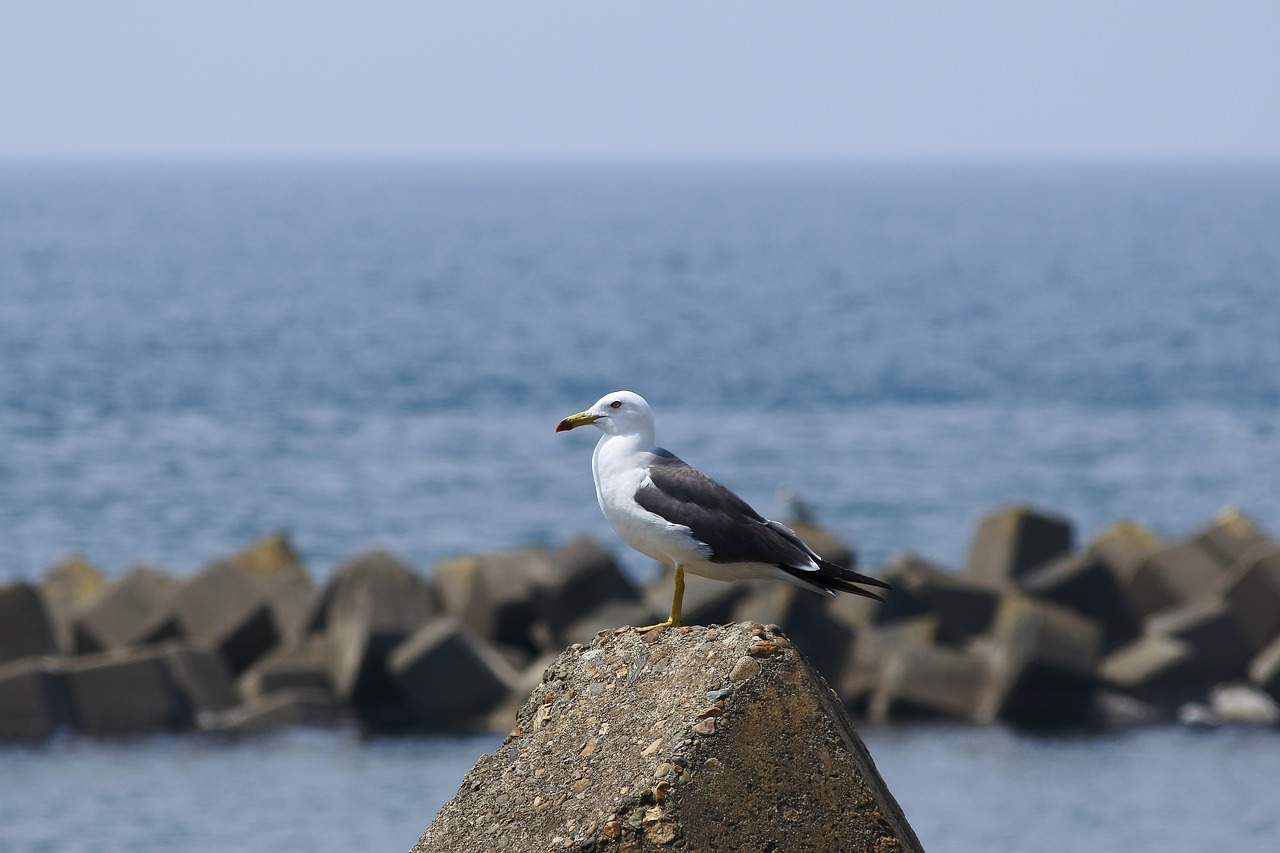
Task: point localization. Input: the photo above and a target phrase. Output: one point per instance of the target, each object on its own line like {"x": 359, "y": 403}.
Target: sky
{"x": 652, "y": 80}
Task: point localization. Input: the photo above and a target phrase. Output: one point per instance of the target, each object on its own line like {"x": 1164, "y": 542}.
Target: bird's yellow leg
{"x": 677, "y": 604}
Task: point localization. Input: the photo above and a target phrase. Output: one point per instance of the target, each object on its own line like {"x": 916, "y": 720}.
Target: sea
{"x": 193, "y": 355}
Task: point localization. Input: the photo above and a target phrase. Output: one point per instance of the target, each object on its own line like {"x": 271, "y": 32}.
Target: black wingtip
{"x": 836, "y": 572}
{"x": 832, "y": 578}
{"x": 849, "y": 587}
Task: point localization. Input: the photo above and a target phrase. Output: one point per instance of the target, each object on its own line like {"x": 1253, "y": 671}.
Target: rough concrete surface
{"x": 697, "y": 739}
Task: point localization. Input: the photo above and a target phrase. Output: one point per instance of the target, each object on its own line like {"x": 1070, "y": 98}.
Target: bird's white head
{"x": 619, "y": 413}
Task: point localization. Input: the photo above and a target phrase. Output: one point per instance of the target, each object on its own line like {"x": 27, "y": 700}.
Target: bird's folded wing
{"x": 717, "y": 517}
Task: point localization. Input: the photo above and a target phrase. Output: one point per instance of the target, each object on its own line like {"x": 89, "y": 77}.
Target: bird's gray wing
{"x": 717, "y": 517}
{"x": 736, "y": 533}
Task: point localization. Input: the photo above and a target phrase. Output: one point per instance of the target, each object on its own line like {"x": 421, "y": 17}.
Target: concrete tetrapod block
{"x": 1252, "y": 590}
{"x": 657, "y": 742}
{"x": 905, "y": 600}
{"x": 33, "y": 699}
{"x": 873, "y": 646}
{"x": 308, "y": 666}
{"x": 920, "y": 587}
{"x": 856, "y": 611}
{"x": 804, "y": 617}
{"x": 496, "y": 595}
{"x": 1012, "y": 541}
{"x": 1156, "y": 669}
{"x": 374, "y": 603}
{"x": 1264, "y": 669}
{"x": 1083, "y": 582}
{"x": 449, "y": 675}
{"x": 580, "y": 577}
{"x": 390, "y": 583}
{"x": 1230, "y": 535}
{"x": 1174, "y": 575}
{"x": 606, "y": 617}
{"x": 1043, "y": 658}
{"x": 1122, "y": 546}
{"x": 706, "y": 601}
{"x": 68, "y": 589}
{"x": 124, "y": 691}
{"x": 930, "y": 682}
{"x": 824, "y": 543}
{"x": 292, "y": 707}
{"x": 25, "y": 628}
{"x": 133, "y": 610}
{"x": 273, "y": 569}
{"x": 1243, "y": 703}
{"x": 201, "y": 678}
{"x": 218, "y": 609}
{"x": 1221, "y": 646}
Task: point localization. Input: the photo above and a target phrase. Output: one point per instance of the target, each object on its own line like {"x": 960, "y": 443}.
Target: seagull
{"x": 668, "y": 510}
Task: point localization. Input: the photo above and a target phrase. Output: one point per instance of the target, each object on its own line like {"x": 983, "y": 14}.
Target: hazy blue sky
{"x": 651, "y": 79}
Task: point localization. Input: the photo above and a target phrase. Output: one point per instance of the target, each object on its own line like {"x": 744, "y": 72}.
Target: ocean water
{"x": 964, "y": 790}
{"x": 194, "y": 355}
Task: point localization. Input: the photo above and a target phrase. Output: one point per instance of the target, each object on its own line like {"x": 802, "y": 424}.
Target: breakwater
{"x": 1035, "y": 630}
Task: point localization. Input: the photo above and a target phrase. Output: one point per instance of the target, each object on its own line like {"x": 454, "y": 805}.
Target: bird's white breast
{"x": 619, "y": 470}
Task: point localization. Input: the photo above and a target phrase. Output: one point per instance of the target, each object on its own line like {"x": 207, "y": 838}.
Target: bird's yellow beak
{"x": 580, "y": 419}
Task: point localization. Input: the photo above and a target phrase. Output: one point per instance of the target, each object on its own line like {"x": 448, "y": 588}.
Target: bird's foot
{"x": 670, "y": 623}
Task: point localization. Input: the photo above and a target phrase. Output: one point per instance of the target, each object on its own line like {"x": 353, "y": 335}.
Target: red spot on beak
{"x": 564, "y": 425}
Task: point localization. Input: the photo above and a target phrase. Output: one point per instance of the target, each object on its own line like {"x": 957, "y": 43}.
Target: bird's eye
{"x": 616, "y": 404}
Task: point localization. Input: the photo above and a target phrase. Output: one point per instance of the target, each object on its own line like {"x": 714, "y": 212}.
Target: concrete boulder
{"x": 1156, "y": 669}
{"x": 1118, "y": 709}
{"x": 1012, "y": 541}
{"x": 1122, "y": 547}
{"x": 718, "y": 739}
{"x": 824, "y": 543}
{"x": 133, "y": 610}
{"x": 272, "y": 568}
{"x": 496, "y": 595}
{"x": 873, "y": 645}
{"x": 33, "y": 699}
{"x": 449, "y": 675}
{"x": 1217, "y": 639}
{"x": 373, "y": 603}
{"x": 857, "y": 611}
{"x": 706, "y": 601}
{"x": 804, "y": 617}
{"x": 124, "y": 692}
{"x": 605, "y": 617}
{"x": 1264, "y": 669}
{"x": 220, "y": 610}
{"x": 1251, "y": 589}
{"x": 1042, "y": 659}
{"x": 929, "y": 682}
{"x": 201, "y": 678}
{"x": 292, "y": 707}
{"x": 1174, "y": 575}
{"x": 1243, "y": 703}
{"x": 1083, "y": 582}
{"x": 25, "y": 628}
{"x": 69, "y": 588}
{"x": 307, "y": 666}
{"x": 1230, "y": 535}
{"x": 579, "y": 577}
{"x": 920, "y": 587}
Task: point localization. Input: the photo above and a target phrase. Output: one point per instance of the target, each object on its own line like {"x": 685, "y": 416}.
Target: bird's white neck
{"x": 617, "y": 475}
{"x": 635, "y": 442}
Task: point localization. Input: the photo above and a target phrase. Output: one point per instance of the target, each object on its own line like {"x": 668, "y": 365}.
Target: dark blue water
{"x": 359, "y": 355}
{"x": 195, "y": 355}
{"x": 1157, "y": 790}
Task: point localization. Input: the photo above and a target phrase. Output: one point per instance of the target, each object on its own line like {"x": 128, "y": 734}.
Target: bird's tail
{"x": 832, "y": 578}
